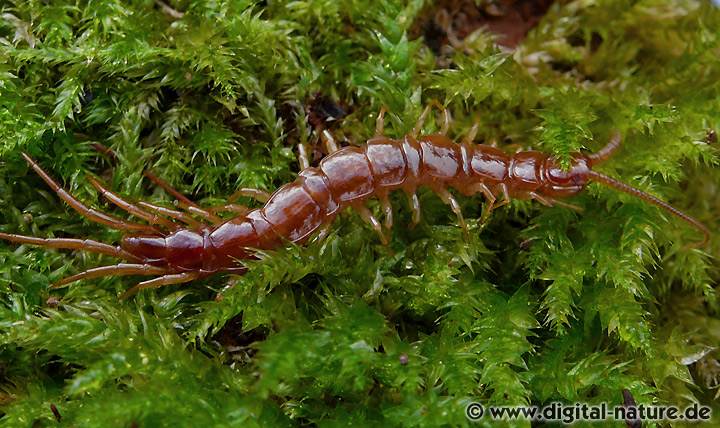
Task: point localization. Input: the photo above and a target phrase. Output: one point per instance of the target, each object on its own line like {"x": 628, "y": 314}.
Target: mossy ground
{"x": 537, "y": 305}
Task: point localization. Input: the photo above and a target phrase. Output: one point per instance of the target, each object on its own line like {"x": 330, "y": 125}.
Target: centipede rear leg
{"x": 120, "y": 269}
{"x": 143, "y": 209}
{"x": 85, "y": 211}
{"x": 194, "y": 209}
{"x": 168, "y": 188}
{"x": 183, "y": 201}
{"x": 155, "y": 219}
{"x": 208, "y": 214}
{"x": 169, "y": 279}
{"x": 177, "y": 215}
{"x": 70, "y": 244}
{"x": 129, "y": 207}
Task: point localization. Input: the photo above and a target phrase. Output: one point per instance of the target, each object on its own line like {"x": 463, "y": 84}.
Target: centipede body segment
{"x": 176, "y": 248}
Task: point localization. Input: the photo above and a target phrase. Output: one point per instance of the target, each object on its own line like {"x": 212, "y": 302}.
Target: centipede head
{"x": 569, "y": 182}
{"x": 561, "y": 182}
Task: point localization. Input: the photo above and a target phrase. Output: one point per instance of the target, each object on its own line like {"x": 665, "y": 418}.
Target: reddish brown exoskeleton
{"x": 177, "y": 248}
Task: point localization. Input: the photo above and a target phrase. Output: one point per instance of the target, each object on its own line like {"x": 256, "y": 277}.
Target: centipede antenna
{"x": 129, "y": 207}
{"x": 177, "y": 215}
{"x": 168, "y": 188}
{"x": 82, "y": 209}
{"x": 606, "y": 152}
{"x": 618, "y": 185}
{"x": 183, "y": 201}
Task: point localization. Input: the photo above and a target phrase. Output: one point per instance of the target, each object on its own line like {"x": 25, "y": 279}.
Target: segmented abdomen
{"x": 352, "y": 175}
{"x": 348, "y": 176}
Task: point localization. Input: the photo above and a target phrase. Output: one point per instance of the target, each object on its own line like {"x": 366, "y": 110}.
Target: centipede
{"x": 173, "y": 247}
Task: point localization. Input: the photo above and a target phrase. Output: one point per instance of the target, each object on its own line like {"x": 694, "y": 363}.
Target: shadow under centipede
{"x": 238, "y": 343}
{"x": 308, "y": 292}
{"x": 323, "y": 112}
{"x": 449, "y": 21}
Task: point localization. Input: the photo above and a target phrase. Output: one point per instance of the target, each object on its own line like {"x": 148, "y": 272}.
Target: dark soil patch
{"x": 449, "y": 21}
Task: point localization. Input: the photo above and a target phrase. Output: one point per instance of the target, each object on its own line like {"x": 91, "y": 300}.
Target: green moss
{"x": 536, "y": 305}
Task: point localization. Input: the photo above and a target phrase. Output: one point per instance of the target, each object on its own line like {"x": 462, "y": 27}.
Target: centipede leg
{"x": 506, "y": 197}
{"x": 573, "y": 207}
{"x": 322, "y": 233}
{"x": 415, "y": 206}
{"x": 372, "y": 220}
{"x": 421, "y": 121}
{"x": 303, "y": 159}
{"x": 449, "y": 199}
{"x": 380, "y": 123}
{"x": 446, "y": 116}
{"x": 492, "y": 201}
{"x": 489, "y": 196}
{"x": 257, "y": 194}
{"x": 177, "y": 215}
{"x": 387, "y": 209}
{"x": 120, "y": 269}
{"x": 129, "y": 207}
{"x": 472, "y": 133}
{"x": 423, "y": 116}
{"x": 162, "y": 281}
{"x": 85, "y": 211}
{"x": 329, "y": 141}
{"x": 542, "y": 199}
{"x": 235, "y": 208}
{"x": 550, "y": 202}
{"x": 194, "y": 209}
